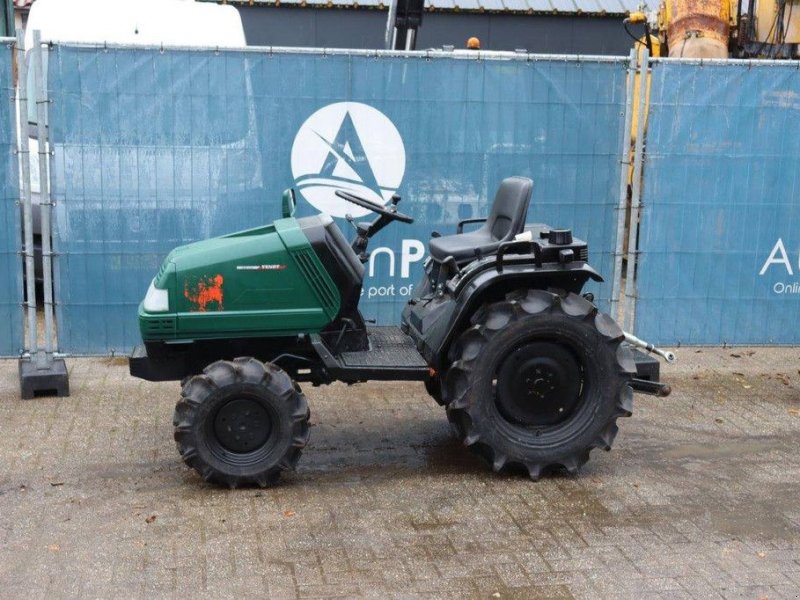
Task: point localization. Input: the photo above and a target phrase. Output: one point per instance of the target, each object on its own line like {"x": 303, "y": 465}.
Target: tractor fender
{"x": 490, "y": 285}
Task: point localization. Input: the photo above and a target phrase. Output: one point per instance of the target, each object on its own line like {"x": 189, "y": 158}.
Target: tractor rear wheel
{"x": 241, "y": 422}
{"x": 538, "y": 381}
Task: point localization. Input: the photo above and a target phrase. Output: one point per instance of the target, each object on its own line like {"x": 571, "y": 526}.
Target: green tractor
{"x": 532, "y": 375}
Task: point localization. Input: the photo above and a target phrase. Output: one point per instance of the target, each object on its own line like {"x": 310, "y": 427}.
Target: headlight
{"x": 156, "y": 300}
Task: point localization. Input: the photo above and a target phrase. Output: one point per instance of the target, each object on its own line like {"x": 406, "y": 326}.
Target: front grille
{"x": 159, "y": 326}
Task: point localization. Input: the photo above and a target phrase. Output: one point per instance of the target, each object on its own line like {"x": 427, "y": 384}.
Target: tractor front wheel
{"x": 241, "y": 422}
{"x": 538, "y": 381}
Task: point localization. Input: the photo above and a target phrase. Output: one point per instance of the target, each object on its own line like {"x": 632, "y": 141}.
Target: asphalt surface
{"x": 700, "y": 498}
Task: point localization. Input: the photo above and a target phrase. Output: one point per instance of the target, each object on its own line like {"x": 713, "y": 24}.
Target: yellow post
{"x": 640, "y": 48}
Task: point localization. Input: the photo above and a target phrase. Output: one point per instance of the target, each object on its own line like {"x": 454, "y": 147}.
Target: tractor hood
{"x": 265, "y": 281}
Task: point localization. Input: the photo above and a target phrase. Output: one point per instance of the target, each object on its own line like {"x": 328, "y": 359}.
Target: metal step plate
{"x": 389, "y": 347}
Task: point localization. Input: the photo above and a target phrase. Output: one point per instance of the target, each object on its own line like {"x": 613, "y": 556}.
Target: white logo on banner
{"x": 349, "y": 146}
{"x": 779, "y": 259}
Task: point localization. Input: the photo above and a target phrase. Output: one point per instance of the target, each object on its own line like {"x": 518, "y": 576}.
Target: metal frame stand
{"x": 41, "y": 372}
{"x": 622, "y": 207}
{"x": 636, "y": 195}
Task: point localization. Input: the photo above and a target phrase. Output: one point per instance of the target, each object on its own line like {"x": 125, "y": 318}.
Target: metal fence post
{"x": 638, "y": 160}
{"x": 624, "y": 161}
{"x": 31, "y": 333}
{"x": 41, "y": 372}
{"x": 45, "y": 202}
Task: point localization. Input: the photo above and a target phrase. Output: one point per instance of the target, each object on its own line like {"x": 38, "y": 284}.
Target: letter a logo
{"x": 349, "y": 146}
{"x": 778, "y": 256}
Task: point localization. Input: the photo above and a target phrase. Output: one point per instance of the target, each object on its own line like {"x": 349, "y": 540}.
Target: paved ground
{"x": 699, "y": 499}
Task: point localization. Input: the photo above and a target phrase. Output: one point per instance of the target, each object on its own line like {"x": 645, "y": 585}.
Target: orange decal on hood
{"x": 208, "y": 290}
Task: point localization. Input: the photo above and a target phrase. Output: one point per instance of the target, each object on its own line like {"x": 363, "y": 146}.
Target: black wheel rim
{"x": 539, "y": 384}
{"x": 242, "y": 426}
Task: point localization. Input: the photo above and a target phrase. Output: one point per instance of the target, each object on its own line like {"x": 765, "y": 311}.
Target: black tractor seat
{"x": 507, "y": 219}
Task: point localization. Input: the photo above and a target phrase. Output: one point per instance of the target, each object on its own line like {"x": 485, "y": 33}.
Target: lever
{"x": 647, "y": 347}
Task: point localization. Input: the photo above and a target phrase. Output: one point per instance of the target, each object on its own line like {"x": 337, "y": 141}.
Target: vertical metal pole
{"x": 391, "y": 32}
{"x": 40, "y": 371}
{"x": 45, "y": 202}
{"x": 638, "y": 160}
{"x": 624, "y": 161}
{"x": 31, "y": 336}
{"x": 411, "y": 38}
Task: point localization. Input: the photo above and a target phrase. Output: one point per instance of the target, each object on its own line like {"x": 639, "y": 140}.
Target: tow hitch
{"x": 654, "y": 388}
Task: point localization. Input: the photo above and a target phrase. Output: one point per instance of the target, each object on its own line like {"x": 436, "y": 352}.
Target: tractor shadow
{"x": 369, "y": 450}
{"x": 380, "y": 450}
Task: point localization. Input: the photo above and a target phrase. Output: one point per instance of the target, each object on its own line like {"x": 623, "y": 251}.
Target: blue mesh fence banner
{"x": 158, "y": 148}
{"x": 720, "y": 229}
{"x": 10, "y": 239}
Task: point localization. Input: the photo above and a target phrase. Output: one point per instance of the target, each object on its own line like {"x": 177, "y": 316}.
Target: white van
{"x": 136, "y": 22}
{"x": 182, "y": 23}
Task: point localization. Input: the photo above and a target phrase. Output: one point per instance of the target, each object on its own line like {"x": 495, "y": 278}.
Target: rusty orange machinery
{"x": 721, "y": 28}
{"x": 686, "y": 28}
{"x": 698, "y": 28}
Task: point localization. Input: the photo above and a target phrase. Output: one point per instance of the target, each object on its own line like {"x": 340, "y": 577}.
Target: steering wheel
{"x": 377, "y": 208}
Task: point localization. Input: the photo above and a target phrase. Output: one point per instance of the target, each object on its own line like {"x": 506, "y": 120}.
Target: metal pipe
{"x": 426, "y": 54}
{"x": 45, "y": 202}
{"x": 647, "y": 347}
{"x": 625, "y": 155}
{"x": 31, "y": 336}
{"x": 638, "y": 159}
{"x": 432, "y": 54}
{"x": 731, "y": 62}
{"x": 391, "y": 30}
{"x": 411, "y": 38}
{"x": 654, "y": 388}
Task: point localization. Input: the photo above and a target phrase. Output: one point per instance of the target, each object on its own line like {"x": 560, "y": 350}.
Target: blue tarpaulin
{"x": 720, "y": 230}
{"x": 158, "y": 148}
{"x": 10, "y": 266}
